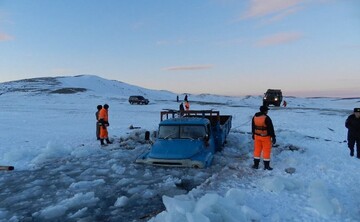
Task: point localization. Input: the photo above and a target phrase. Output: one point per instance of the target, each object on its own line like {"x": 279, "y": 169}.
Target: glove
{"x": 273, "y": 140}
{"x": 107, "y": 123}
{"x": 253, "y": 137}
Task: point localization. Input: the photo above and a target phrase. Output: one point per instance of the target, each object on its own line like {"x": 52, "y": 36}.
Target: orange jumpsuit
{"x": 263, "y": 131}
{"x": 187, "y": 105}
{"x": 103, "y": 119}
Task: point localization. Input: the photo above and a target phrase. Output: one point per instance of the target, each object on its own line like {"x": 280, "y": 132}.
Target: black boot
{"x": 108, "y": 141}
{"x": 267, "y": 165}
{"x": 102, "y": 142}
{"x": 351, "y": 151}
{"x": 256, "y": 164}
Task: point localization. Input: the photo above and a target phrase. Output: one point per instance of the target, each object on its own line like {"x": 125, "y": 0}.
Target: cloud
{"x": 230, "y": 42}
{"x": 5, "y": 37}
{"x": 172, "y": 42}
{"x": 278, "y": 9}
{"x": 354, "y": 46}
{"x": 279, "y": 38}
{"x": 194, "y": 67}
{"x": 260, "y": 8}
{"x": 281, "y": 15}
{"x": 137, "y": 25}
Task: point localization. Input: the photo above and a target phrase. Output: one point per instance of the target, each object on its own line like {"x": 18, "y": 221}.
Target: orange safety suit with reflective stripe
{"x": 104, "y": 121}
{"x": 187, "y": 105}
{"x": 263, "y": 131}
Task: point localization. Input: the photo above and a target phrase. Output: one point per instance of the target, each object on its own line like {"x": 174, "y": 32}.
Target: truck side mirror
{"x": 206, "y": 137}
{"x": 206, "y": 140}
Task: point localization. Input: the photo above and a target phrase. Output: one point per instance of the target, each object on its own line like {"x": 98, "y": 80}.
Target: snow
{"x": 62, "y": 174}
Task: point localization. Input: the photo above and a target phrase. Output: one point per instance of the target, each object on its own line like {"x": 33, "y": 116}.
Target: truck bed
{"x": 221, "y": 124}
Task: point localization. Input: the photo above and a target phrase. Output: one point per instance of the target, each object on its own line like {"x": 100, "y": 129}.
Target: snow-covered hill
{"x": 84, "y": 84}
{"x": 62, "y": 173}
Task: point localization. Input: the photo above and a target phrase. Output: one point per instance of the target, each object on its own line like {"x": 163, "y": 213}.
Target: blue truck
{"x": 188, "y": 138}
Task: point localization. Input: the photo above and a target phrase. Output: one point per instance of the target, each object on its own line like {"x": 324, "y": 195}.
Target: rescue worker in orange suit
{"x": 263, "y": 134}
{"x": 99, "y": 107}
{"x": 187, "y": 105}
{"x": 104, "y": 123}
{"x": 353, "y": 136}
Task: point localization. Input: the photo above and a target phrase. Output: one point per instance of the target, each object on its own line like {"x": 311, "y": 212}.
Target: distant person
{"x": 187, "y": 105}
{"x": 99, "y": 107}
{"x": 353, "y": 136}
{"x": 104, "y": 123}
{"x": 263, "y": 134}
{"x": 186, "y": 98}
{"x": 284, "y": 103}
{"x": 181, "y": 107}
{"x": 177, "y": 98}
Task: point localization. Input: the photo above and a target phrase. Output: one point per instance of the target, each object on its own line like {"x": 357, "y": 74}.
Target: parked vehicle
{"x": 272, "y": 97}
{"x": 138, "y": 100}
{"x": 188, "y": 138}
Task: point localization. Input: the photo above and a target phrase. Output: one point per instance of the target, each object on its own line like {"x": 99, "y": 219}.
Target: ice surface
{"x": 62, "y": 174}
{"x": 121, "y": 201}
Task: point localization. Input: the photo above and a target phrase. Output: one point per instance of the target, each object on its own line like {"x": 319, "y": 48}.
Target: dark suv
{"x": 138, "y": 100}
{"x": 272, "y": 96}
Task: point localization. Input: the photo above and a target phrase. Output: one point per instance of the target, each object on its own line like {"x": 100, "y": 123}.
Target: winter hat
{"x": 357, "y": 110}
{"x": 264, "y": 108}
{"x": 106, "y": 106}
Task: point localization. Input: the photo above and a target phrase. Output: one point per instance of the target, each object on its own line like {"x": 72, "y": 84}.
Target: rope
{"x": 243, "y": 124}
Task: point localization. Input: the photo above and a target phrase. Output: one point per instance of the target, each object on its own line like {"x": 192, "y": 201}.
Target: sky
{"x": 226, "y": 47}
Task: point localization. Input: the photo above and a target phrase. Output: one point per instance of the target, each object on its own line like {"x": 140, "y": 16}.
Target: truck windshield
{"x": 182, "y": 132}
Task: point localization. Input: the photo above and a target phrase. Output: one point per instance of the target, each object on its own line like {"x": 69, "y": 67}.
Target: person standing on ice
{"x": 181, "y": 109}
{"x": 186, "y": 98}
{"x": 353, "y": 136}
{"x": 263, "y": 134}
{"x": 104, "y": 123}
{"x": 99, "y": 107}
{"x": 187, "y": 105}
